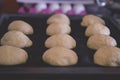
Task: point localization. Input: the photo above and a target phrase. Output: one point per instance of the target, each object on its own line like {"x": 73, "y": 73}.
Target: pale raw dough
{"x": 60, "y": 18}
{"x": 62, "y": 40}
{"x": 107, "y": 56}
{"x": 10, "y": 55}
{"x": 91, "y": 19}
{"x": 22, "y": 26}
{"x": 97, "y": 29}
{"x": 98, "y": 41}
{"x": 60, "y": 56}
{"x": 16, "y": 38}
{"x": 57, "y": 28}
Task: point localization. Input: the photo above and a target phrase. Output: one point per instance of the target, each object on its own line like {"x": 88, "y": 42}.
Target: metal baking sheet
{"x": 35, "y": 67}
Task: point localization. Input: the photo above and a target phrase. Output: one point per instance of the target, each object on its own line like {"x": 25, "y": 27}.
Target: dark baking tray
{"x": 35, "y": 67}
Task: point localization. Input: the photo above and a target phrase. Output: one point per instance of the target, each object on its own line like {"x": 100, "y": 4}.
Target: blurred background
{"x": 70, "y": 7}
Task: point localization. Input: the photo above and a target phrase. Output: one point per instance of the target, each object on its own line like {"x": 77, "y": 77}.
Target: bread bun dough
{"x": 91, "y": 19}
{"x": 97, "y": 29}
{"x": 107, "y": 56}
{"x": 62, "y": 40}
{"x": 57, "y": 28}
{"x": 59, "y": 18}
{"x": 97, "y": 41}
{"x": 10, "y": 55}
{"x": 60, "y": 56}
{"x": 16, "y": 38}
{"x": 22, "y": 26}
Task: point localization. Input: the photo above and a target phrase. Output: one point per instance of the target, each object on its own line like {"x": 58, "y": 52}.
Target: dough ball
{"x": 10, "y": 55}
{"x": 97, "y": 29}
{"x": 62, "y": 40}
{"x": 56, "y": 28}
{"x": 59, "y": 18}
{"x": 22, "y": 26}
{"x": 91, "y": 19}
{"x": 16, "y": 38}
{"x": 107, "y": 56}
{"x": 60, "y": 56}
{"x": 97, "y": 41}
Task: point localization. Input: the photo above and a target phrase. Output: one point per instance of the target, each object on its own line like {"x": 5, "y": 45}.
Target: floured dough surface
{"x": 60, "y": 56}
{"x": 91, "y": 19}
{"x": 97, "y": 29}
{"x": 10, "y": 55}
{"x": 62, "y": 40}
{"x": 98, "y": 41}
{"x": 22, "y": 26}
{"x": 107, "y": 56}
{"x": 57, "y": 28}
{"x": 59, "y": 18}
{"x": 16, "y": 38}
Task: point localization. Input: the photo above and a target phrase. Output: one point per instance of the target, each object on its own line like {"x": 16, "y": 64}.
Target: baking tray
{"x": 35, "y": 67}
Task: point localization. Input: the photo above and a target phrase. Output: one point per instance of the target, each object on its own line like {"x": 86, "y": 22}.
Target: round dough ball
{"x": 91, "y": 19}
{"x": 59, "y": 18}
{"x": 97, "y": 29}
{"x": 16, "y": 38}
{"x": 60, "y": 56}
{"x": 107, "y": 56}
{"x": 62, "y": 40}
{"x": 10, "y": 55}
{"x": 56, "y": 28}
{"x": 97, "y": 41}
{"x": 22, "y": 26}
